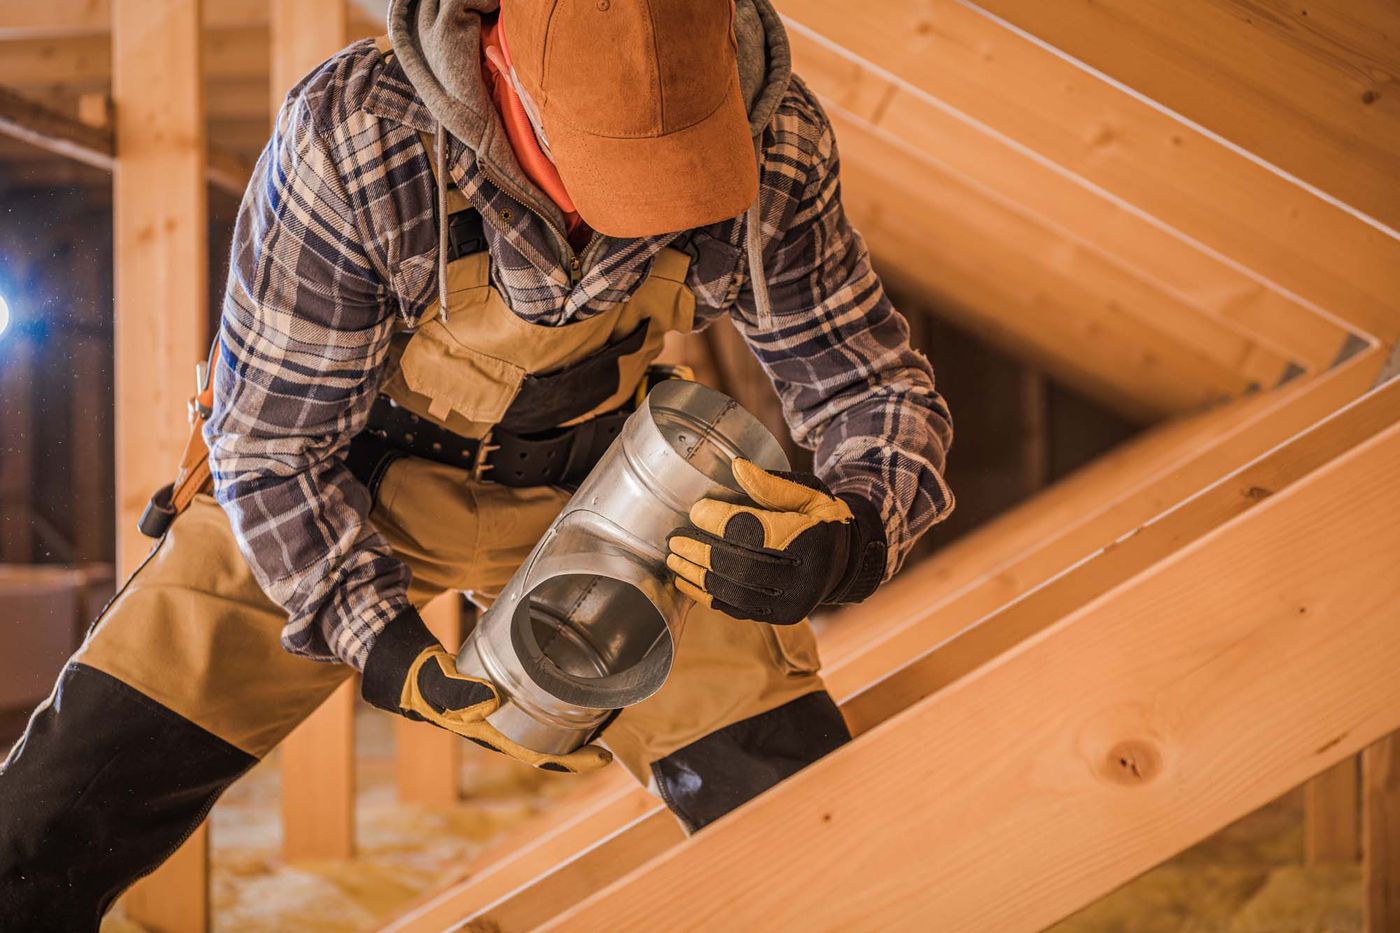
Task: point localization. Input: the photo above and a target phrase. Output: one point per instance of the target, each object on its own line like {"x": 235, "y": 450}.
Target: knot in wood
{"x": 1132, "y": 762}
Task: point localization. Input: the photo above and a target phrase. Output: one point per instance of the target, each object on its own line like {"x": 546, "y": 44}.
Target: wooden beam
{"x": 76, "y": 60}
{"x": 968, "y": 640}
{"x": 592, "y": 870}
{"x": 230, "y": 55}
{"x": 234, "y": 58}
{"x": 946, "y": 53}
{"x": 318, "y": 781}
{"x": 73, "y": 17}
{"x": 999, "y": 271}
{"x": 47, "y": 129}
{"x": 1124, "y": 733}
{"x": 1306, "y": 87}
{"x": 1331, "y": 819}
{"x": 916, "y": 621}
{"x": 1381, "y": 835}
{"x": 1158, "y": 254}
{"x": 427, "y": 759}
{"x": 871, "y": 651}
{"x": 159, "y": 243}
{"x": 573, "y": 825}
{"x": 92, "y": 17}
{"x": 54, "y": 132}
{"x": 304, "y": 34}
{"x": 160, "y": 262}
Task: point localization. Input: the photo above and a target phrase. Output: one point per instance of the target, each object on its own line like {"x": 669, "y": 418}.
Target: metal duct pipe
{"x": 590, "y": 621}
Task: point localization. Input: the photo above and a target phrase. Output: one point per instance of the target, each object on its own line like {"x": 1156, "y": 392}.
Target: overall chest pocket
{"x": 457, "y": 378}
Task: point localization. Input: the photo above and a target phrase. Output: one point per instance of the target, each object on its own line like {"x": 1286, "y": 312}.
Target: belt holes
{"x": 408, "y": 438}
{"x": 523, "y": 455}
{"x": 437, "y": 447}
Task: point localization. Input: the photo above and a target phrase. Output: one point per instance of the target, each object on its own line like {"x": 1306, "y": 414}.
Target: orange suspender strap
{"x": 194, "y": 476}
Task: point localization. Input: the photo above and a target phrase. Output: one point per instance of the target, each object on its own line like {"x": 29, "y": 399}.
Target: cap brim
{"x": 635, "y": 187}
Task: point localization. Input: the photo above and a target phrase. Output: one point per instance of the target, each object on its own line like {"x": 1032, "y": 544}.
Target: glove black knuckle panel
{"x": 445, "y": 694}
{"x": 744, "y": 529}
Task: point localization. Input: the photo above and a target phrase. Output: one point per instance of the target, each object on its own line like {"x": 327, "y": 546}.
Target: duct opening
{"x": 592, "y": 641}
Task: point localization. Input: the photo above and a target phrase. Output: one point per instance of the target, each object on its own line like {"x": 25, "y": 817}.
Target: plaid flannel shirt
{"x": 336, "y": 246}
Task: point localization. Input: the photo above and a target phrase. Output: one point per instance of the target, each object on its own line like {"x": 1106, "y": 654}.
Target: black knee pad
{"x": 717, "y": 773}
{"x": 103, "y": 787}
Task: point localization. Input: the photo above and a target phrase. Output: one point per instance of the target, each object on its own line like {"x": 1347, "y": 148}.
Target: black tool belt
{"x": 556, "y": 457}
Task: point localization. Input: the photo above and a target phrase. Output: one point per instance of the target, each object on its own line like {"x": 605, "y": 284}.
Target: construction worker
{"x": 458, "y": 254}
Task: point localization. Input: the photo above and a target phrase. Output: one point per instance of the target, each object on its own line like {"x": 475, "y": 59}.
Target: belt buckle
{"x": 480, "y": 466}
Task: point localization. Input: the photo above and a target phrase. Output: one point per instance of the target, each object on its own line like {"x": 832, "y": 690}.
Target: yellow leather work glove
{"x": 410, "y": 673}
{"x": 797, "y": 547}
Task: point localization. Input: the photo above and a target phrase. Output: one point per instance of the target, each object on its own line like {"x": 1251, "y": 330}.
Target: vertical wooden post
{"x": 1331, "y": 831}
{"x": 427, "y": 760}
{"x": 1381, "y": 835}
{"x": 89, "y": 439}
{"x": 318, "y": 781}
{"x": 159, "y": 239}
{"x": 304, "y": 34}
{"x": 16, "y": 447}
{"x": 318, "y": 759}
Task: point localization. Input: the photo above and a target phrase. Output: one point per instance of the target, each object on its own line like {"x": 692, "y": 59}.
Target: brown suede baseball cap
{"x": 640, "y": 107}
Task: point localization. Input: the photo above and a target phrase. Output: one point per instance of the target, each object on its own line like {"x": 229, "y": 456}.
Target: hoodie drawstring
{"x": 753, "y": 237}
{"x": 440, "y": 154}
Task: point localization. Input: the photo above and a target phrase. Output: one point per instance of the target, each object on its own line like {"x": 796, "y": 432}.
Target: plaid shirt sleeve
{"x": 305, "y": 329}
{"x": 852, "y": 388}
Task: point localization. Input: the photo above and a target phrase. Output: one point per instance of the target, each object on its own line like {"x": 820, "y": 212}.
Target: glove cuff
{"x": 867, "y": 554}
{"x": 390, "y": 657}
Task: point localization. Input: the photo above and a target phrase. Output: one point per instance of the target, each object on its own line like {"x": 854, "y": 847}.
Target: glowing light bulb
{"x": 4, "y": 315}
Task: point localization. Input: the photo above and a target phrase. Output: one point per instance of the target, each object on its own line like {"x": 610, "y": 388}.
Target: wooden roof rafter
{"x": 37, "y": 125}
{"x": 60, "y": 18}
{"x": 1162, "y": 736}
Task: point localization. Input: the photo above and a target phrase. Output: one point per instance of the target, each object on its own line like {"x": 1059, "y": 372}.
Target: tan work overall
{"x": 192, "y": 629}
